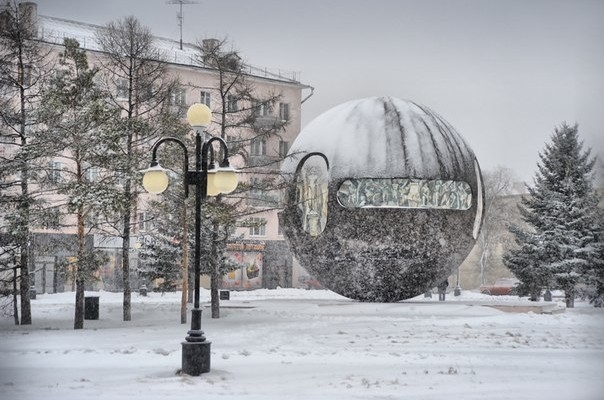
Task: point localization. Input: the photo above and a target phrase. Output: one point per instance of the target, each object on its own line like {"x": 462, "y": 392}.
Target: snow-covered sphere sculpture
{"x": 385, "y": 199}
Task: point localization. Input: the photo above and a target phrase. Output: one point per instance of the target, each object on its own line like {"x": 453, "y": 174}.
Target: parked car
{"x": 501, "y": 287}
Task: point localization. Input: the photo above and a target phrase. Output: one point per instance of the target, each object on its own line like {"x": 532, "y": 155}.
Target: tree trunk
{"x": 215, "y": 277}
{"x": 15, "y": 306}
{"x": 24, "y": 206}
{"x": 24, "y": 287}
{"x": 483, "y": 263}
{"x": 535, "y": 294}
{"x": 24, "y": 248}
{"x": 79, "y": 302}
{"x": 214, "y": 292}
{"x": 191, "y": 286}
{"x": 79, "y": 274}
{"x": 127, "y": 217}
{"x": 127, "y": 316}
{"x": 569, "y": 297}
{"x": 126, "y": 305}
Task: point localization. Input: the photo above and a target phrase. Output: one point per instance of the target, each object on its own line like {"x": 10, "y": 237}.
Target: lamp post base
{"x": 195, "y": 350}
{"x": 195, "y": 358}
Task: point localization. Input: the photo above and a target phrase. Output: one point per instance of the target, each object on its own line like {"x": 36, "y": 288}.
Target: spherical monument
{"x": 385, "y": 199}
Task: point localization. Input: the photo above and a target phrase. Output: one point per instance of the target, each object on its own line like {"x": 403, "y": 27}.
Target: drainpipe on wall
{"x": 312, "y": 91}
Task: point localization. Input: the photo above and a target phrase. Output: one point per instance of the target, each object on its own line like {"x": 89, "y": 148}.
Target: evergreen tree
{"x": 597, "y": 276}
{"x": 526, "y": 262}
{"x": 594, "y": 271}
{"x": 562, "y": 212}
{"x": 159, "y": 261}
{"x": 76, "y": 112}
{"x": 161, "y": 255}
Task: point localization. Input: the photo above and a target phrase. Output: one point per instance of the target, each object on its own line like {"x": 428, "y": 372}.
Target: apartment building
{"x": 259, "y": 248}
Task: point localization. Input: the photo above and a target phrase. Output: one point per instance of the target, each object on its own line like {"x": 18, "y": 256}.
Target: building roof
{"x": 54, "y": 30}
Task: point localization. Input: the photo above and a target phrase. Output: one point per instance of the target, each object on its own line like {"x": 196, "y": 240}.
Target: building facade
{"x": 259, "y": 247}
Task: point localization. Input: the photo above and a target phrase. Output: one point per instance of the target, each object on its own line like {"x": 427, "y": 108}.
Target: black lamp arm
{"x": 207, "y": 146}
{"x": 186, "y": 161}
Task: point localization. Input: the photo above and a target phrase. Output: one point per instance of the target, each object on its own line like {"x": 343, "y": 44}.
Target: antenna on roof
{"x": 180, "y": 16}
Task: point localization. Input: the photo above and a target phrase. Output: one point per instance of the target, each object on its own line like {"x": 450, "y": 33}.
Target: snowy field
{"x": 298, "y": 344}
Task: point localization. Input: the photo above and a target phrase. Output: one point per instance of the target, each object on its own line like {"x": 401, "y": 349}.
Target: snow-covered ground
{"x": 298, "y": 344}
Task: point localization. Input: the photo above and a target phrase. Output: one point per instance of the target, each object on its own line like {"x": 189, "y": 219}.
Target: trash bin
{"x": 32, "y": 293}
{"x": 225, "y": 295}
{"x": 91, "y": 307}
{"x": 143, "y": 290}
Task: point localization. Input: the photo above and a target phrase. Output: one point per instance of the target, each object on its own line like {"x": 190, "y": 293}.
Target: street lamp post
{"x": 208, "y": 181}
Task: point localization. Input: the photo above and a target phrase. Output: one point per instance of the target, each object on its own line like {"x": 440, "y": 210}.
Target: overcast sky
{"x": 503, "y": 73}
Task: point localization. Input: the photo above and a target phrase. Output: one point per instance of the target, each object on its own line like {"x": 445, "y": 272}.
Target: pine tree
{"x": 594, "y": 271}
{"x": 526, "y": 262}
{"x": 161, "y": 254}
{"x": 562, "y": 212}
{"x": 159, "y": 261}
{"x": 596, "y": 277}
{"x": 76, "y": 112}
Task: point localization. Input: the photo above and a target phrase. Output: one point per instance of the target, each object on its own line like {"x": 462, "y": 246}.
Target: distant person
{"x": 442, "y": 290}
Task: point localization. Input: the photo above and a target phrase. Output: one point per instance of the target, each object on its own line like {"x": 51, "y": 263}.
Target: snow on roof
{"x": 54, "y": 30}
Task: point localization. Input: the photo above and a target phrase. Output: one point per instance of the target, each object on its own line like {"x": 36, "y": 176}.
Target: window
{"x": 122, "y": 88}
{"x": 92, "y": 174}
{"x": 283, "y": 148}
{"x": 233, "y": 144}
{"x": 261, "y": 109}
{"x": 231, "y": 104}
{"x": 258, "y": 228}
{"x": 205, "y": 98}
{"x": 178, "y": 97}
{"x": 259, "y": 146}
{"x": 143, "y": 222}
{"x": 284, "y": 111}
{"x": 55, "y": 169}
{"x": 256, "y": 191}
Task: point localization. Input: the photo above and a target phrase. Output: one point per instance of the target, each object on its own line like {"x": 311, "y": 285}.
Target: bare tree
{"x": 498, "y": 183}
{"x": 246, "y": 117}
{"x": 135, "y": 74}
{"x": 23, "y": 68}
